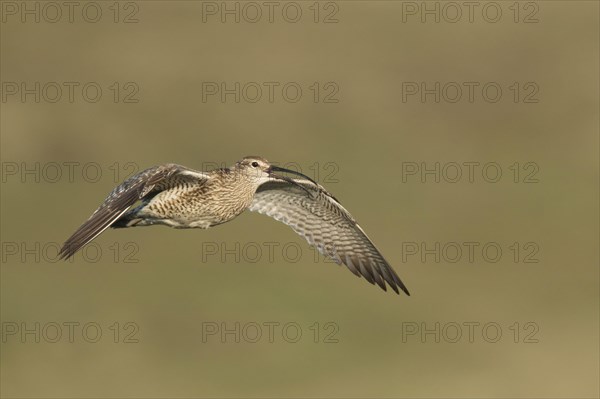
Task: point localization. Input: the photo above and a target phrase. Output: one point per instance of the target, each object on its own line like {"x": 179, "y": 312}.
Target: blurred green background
{"x": 178, "y": 287}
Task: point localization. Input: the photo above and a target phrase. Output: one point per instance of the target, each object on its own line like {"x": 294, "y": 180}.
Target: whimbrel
{"x": 180, "y": 197}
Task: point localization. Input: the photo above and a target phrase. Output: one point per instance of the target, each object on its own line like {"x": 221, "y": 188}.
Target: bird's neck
{"x": 236, "y": 185}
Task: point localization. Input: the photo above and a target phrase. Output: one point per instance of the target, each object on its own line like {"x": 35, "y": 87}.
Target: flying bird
{"x": 180, "y": 197}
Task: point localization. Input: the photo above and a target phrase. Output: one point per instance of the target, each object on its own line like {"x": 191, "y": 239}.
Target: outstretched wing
{"x": 318, "y": 217}
{"x": 151, "y": 180}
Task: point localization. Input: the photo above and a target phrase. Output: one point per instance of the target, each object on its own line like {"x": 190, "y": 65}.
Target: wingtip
{"x": 67, "y": 251}
{"x": 64, "y": 255}
{"x": 397, "y": 291}
{"x": 399, "y": 284}
{"x": 404, "y": 289}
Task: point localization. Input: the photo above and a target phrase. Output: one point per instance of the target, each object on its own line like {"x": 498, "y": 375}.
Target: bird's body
{"x": 194, "y": 202}
{"x": 179, "y": 197}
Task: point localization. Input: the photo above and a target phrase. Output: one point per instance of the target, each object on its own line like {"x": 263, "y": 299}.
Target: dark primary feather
{"x": 328, "y": 226}
{"x": 119, "y": 201}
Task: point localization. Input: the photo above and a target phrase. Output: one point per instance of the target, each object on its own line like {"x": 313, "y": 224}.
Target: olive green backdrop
{"x": 362, "y": 131}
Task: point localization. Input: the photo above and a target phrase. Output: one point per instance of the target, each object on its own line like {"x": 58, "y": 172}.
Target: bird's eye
{"x": 255, "y": 164}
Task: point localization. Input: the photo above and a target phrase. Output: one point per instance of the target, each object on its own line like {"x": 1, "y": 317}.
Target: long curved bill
{"x": 290, "y": 180}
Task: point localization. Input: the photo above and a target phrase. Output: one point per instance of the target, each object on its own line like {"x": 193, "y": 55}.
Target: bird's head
{"x": 260, "y": 171}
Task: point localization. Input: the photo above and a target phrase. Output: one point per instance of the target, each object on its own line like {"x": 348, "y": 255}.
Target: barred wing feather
{"x": 326, "y": 225}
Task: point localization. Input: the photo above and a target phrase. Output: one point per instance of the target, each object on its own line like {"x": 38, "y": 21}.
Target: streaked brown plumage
{"x": 179, "y": 197}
